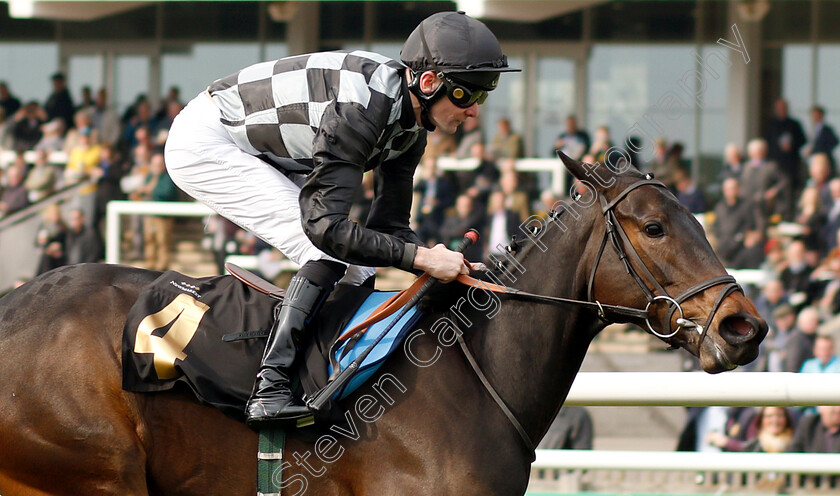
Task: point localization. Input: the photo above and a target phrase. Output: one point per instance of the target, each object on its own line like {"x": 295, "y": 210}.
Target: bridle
{"x": 618, "y": 239}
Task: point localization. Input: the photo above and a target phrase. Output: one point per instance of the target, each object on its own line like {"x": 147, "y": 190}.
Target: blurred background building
{"x": 644, "y": 69}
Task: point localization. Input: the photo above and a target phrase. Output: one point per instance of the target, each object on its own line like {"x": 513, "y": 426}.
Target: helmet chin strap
{"x": 426, "y": 101}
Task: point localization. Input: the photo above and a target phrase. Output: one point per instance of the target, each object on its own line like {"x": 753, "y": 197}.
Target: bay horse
{"x": 426, "y": 424}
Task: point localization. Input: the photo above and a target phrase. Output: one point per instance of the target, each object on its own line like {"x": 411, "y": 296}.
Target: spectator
{"x": 50, "y": 239}
{"x": 818, "y": 433}
{"x": 824, "y": 361}
{"x": 772, "y": 433}
{"x": 87, "y": 99}
{"x": 465, "y": 217}
{"x": 14, "y": 196}
{"x": 832, "y": 225}
{"x": 573, "y": 142}
{"x": 60, "y": 103}
{"x": 571, "y": 429}
{"x": 8, "y": 101}
{"x": 157, "y": 231}
{"x": 600, "y": 146}
{"x": 506, "y": 143}
{"x": 823, "y": 138}
{"x": 784, "y": 139}
{"x": 737, "y": 229}
{"x": 82, "y": 244}
{"x": 471, "y": 136}
{"x": 762, "y": 182}
{"x": 812, "y": 218}
{"x": 6, "y": 125}
{"x": 42, "y": 178}
{"x": 105, "y": 120}
{"x": 438, "y": 144}
{"x": 772, "y": 297}
{"x": 733, "y": 165}
{"x": 27, "y": 128}
{"x": 52, "y": 136}
{"x": 164, "y": 122}
{"x": 819, "y": 175}
{"x": 436, "y": 194}
{"x": 142, "y": 119}
{"x": 172, "y": 97}
{"x": 773, "y": 346}
{"x": 83, "y": 123}
{"x": 800, "y": 344}
{"x": 796, "y": 275}
{"x": 502, "y": 223}
{"x": 828, "y": 299}
{"x": 688, "y": 193}
{"x": 108, "y": 175}
{"x": 673, "y": 163}
{"x": 515, "y": 200}
{"x": 83, "y": 159}
{"x": 659, "y": 165}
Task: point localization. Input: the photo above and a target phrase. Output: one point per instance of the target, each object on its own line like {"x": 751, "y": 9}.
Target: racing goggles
{"x": 460, "y": 95}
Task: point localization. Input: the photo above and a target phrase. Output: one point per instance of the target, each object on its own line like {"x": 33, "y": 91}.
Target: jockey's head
{"x": 454, "y": 55}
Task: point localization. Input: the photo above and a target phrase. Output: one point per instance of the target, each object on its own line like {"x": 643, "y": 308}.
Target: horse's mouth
{"x": 734, "y": 343}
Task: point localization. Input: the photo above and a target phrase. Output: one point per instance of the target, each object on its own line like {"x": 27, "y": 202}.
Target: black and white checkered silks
{"x": 270, "y": 112}
{"x": 274, "y": 109}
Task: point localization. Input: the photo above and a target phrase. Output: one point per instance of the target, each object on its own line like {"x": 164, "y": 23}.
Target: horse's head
{"x": 654, "y": 254}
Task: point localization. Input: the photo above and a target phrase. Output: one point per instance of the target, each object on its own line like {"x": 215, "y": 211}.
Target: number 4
{"x": 184, "y": 314}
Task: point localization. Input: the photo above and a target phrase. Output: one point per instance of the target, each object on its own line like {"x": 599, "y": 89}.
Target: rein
{"x": 620, "y": 242}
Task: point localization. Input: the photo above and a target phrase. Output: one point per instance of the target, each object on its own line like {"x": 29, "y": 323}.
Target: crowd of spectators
{"x": 779, "y": 212}
{"x": 59, "y": 144}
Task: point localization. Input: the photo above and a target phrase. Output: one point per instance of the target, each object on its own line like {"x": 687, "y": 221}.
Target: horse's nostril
{"x": 740, "y": 328}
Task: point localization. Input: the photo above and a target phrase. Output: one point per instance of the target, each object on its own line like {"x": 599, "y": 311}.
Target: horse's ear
{"x": 577, "y": 169}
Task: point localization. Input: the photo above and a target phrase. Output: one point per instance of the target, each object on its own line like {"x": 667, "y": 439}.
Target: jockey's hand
{"x": 440, "y": 262}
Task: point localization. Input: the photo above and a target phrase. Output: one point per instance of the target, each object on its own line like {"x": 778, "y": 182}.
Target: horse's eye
{"x": 654, "y": 229}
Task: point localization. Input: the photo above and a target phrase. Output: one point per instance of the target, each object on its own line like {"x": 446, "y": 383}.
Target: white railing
{"x": 551, "y": 165}
{"x": 7, "y": 157}
{"x": 116, "y": 209}
{"x": 701, "y": 389}
{"x": 799, "y": 463}
{"x": 682, "y": 472}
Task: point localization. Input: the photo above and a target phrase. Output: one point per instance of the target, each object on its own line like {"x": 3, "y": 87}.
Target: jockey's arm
{"x": 342, "y": 146}
{"x": 393, "y": 184}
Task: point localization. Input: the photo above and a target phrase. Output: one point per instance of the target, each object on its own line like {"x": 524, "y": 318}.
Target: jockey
{"x": 280, "y": 148}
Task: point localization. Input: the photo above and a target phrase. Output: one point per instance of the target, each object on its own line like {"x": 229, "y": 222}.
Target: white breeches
{"x": 203, "y": 160}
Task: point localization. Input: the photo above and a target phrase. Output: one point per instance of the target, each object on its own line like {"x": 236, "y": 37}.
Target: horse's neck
{"x": 530, "y": 351}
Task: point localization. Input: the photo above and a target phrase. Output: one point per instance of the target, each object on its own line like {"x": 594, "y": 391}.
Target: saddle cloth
{"x": 174, "y": 333}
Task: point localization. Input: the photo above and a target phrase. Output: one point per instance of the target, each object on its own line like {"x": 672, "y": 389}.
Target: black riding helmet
{"x": 464, "y": 54}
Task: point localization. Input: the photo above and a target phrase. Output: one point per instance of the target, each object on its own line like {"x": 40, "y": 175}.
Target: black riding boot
{"x": 272, "y": 400}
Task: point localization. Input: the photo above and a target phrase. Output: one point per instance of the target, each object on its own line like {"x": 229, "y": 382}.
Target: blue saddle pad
{"x": 389, "y": 343}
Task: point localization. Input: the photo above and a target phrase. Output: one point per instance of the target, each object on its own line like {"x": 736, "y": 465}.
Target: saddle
{"x": 208, "y": 334}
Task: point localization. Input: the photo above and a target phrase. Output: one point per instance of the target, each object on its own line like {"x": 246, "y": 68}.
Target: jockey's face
{"x": 444, "y": 114}
{"x": 447, "y": 117}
